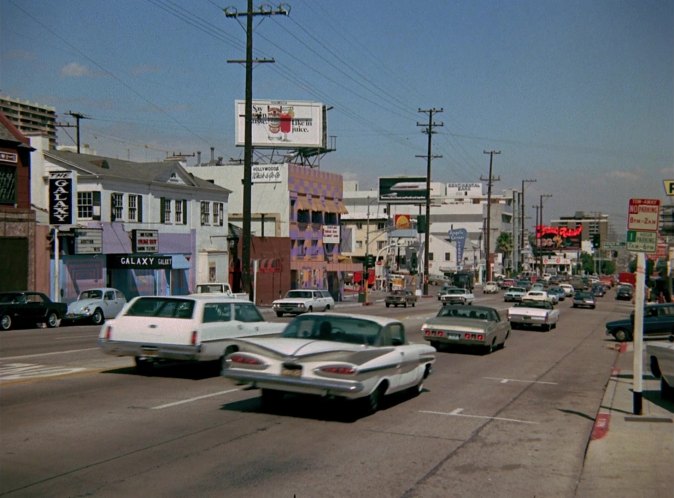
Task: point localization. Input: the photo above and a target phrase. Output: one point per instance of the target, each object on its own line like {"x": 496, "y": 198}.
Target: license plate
{"x": 291, "y": 372}
{"x": 149, "y": 352}
{"x": 454, "y": 337}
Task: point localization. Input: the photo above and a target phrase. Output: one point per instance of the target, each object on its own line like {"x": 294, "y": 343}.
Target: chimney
{"x": 212, "y": 155}
{"x": 198, "y": 158}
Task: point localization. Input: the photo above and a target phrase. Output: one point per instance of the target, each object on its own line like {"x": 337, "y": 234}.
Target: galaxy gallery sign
{"x": 60, "y": 198}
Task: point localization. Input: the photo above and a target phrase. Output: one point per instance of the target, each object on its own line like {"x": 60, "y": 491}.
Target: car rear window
{"x": 162, "y": 307}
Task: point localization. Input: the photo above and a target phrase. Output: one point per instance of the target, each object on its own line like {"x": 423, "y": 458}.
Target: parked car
{"x": 514, "y": 294}
{"x": 153, "y": 329}
{"x": 658, "y": 323}
{"x": 400, "y": 297}
{"x": 457, "y": 295}
{"x": 624, "y": 293}
{"x": 490, "y": 288}
{"x": 353, "y": 357}
{"x": 303, "y": 301}
{"x": 472, "y": 326}
{"x": 95, "y": 305}
{"x": 27, "y": 308}
{"x": 584, "y": 299}
{"x": 661, "y": 356}
{"x": 536, "y": 313}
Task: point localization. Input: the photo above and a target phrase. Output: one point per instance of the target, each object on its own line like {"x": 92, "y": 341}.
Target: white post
{"x": 57, "y": 291}
{"x": 255, "y": 267}
{"x": 638, "y": 340}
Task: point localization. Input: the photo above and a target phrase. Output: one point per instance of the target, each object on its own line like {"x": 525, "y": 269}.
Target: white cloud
{"x": 75, "y": 70}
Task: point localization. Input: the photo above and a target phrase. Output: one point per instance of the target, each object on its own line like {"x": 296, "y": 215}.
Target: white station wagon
{"x": 152, "y": 329}
{"x": 300, "y": 301}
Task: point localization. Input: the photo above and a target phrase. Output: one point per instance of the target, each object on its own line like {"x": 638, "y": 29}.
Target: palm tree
{"x": 504, "y": 244}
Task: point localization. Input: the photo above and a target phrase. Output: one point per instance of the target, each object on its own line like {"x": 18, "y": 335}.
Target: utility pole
{"x": 538, "y": 240}
{"x": 250, "y": 13}
{"x": 522, "y": 223}
{"x": 490, "y": 181}
{"x": 78, "y": 116}
{"x": 540, "y": 253}
{"x": 429, "y": 157}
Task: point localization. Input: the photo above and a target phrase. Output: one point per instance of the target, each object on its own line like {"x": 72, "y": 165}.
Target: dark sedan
{"x": 584, "y": 299}
{"x": 624, "y": 293}
{"x": 400, "y": 298}
{"x": 658, "y": 323}
{"x": 27, "y": 309}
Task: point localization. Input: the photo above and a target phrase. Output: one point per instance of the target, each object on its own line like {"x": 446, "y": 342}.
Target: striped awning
{"x": 302, "y": 203}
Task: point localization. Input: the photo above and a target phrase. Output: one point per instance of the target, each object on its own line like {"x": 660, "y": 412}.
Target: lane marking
{"x": 5, "y": 358}
{"x": 15, "y": 371}
{"x": 190, "y": 400}
{"x": 457, "y": 413}
{"x": 505, "y": 381}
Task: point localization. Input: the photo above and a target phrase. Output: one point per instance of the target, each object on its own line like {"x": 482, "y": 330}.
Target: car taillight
{"x": 108, "y": 333}
{"x": 471, "y": 336}
{"x": 244, "y": 359}
{"x": 341, "y": 370}
{"x": 195, "y": 338}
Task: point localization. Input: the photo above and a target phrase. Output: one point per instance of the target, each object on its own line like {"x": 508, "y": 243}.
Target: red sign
{"x": 643, "y": 214}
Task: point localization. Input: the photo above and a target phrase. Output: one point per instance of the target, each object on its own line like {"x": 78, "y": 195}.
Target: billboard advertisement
{"x": 558, "y": 238}
{"x": 283, "y": 124}
{"x": 403, "y": 190}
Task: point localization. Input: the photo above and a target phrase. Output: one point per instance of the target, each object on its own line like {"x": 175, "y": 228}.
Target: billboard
{"x": 403, "y": 190}
{"x": 60, "y": 198}
{"x": 283, "y": 124}
{"x": 558, "y": 238}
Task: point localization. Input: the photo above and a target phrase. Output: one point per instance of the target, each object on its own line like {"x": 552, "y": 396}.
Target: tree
{"x": 504, "y": 244}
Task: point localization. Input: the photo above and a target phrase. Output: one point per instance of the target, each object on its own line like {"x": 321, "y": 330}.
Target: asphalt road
{"x": 76, "y": 422}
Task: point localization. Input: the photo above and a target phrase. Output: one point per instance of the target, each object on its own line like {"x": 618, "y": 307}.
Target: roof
{"x": 10, "y": 133}
{"x": 152, "y": 172}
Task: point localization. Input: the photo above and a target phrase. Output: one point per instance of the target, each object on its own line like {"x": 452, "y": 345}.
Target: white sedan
{"x": 352, "y": 357}
{"x": 534, "y": 313}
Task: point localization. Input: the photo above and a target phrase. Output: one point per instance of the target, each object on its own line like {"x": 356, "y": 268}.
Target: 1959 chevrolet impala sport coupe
{"x": 354, "y": 357}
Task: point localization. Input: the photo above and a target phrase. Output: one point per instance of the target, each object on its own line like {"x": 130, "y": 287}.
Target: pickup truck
{"x": 25, "y": 308}
{"x": 457, "y": 295}
{"x": 533, "y": 313}
{"x": 155, "y": 329}
{"x": 219, "y": 288}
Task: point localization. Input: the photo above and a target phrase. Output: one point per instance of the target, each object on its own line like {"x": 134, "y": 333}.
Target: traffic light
{"x": 421, "y": 223}
{"x": 596, "y": 241}
{"x": 413, "y": 263}
{"x": 369, "y": 261}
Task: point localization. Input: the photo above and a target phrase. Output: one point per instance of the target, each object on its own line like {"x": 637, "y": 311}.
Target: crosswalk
{"x": 22, "y": 371}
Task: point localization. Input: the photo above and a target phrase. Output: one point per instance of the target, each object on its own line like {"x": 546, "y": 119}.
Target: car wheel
{"x": 414, "y": 304}
{"x": 97, "y": 318}
{"x": 488, "y": 349}
{"x": 279, "y": 314}
{"x": 143, "y": 365}
{"x": 371, "y": 403}
{"x": 621, "y": 335}
{"x": 52, "y": 320}
{"x": 327, "y": 307}
{"x": 387, "y": 305}
{"x": 270, "y": 398}
{"x": 311, "y": 309}
{"x": 405, "y": 305}
{"x": 5, "y": 322}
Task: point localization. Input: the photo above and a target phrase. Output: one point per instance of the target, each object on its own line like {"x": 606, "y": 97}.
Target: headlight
{"x": 86, "y": 310}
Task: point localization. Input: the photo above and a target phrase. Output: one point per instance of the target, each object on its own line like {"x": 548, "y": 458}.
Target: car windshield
{"x": 456, "y": 291}
{"x": 469, "y": 312}
{"x": 162, "y": 307}
{"x": 299, "y": 293}
{"x": 336, "y": 329}
{"x": 517, "y": 289}
{"x": 397, "y": 293}
{"x": 92, "y": 294}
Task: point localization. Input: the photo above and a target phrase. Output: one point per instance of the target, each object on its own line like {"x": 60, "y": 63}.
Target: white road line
{"x": 4, "y": 358}
{"x": 456, "y": 413}
{"x": 15, "y": 371}
{"x": 505, "y": 381}
{"x": 190, "y": 400}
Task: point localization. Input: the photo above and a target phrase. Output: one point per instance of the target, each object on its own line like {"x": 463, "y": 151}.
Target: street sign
{"x": 669, "y": 187}
{"x": 641, "y": 241}
{"x": 643, "y": 214}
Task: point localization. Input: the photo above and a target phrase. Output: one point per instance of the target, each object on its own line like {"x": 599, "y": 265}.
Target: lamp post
{"x": 522, "y": 221}
{"x": 540, "y": 254}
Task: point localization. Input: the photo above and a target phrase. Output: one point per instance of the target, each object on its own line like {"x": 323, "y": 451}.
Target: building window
{"x": 179, "y": 213}
{"x": 381, "y": 244}
{"x": 116, "y": 207}
{"x": 430, "y": 256}
{"x": 205, "y": 213}
{"x": 218, "y": 213}
{"x": 359, "y": 244}
{"x": 133, "y": 208}
{"x": 381, "y": 226}
{"x": 85, "y": 205}
{"x": 359, "y": 225}
{"x": 167, "y": 211}
{"x": 447, "y": 257}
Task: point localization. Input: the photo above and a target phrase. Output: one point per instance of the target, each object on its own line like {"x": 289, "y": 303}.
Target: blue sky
{"x": 578, "y": 94}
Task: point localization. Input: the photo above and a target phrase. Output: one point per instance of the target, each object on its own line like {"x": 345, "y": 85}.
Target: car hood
{"x": 292, "y": 300}
{"x": 78, "y": 306}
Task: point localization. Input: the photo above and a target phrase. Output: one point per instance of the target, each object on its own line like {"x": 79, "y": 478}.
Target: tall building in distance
{"x": 30, "y": 118}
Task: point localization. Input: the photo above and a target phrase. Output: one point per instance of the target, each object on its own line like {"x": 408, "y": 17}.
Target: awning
{"x": 317, "y": 205}
{"x": 180, "y": 262}
{"x": 302, "y": 203}
{"x": 341, "y": 208}
{"x": 335, "y": 206}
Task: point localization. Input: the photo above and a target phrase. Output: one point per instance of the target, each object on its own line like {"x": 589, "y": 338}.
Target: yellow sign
{"x": 669, "y": 187}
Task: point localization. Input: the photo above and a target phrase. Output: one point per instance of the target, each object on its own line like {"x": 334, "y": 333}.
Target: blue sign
{"x": 459, "y": 236}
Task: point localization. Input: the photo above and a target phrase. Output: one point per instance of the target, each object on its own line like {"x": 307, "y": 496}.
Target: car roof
{"x": 380, "y": 320}
{"x": 221, "y": 298}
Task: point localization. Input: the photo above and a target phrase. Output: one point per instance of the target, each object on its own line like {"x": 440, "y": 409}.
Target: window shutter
{"x": 162, "y": 203}
{"x": 184, "y": 212}
{"x": 97, "y": 204}
{"x": 112, "y": 207}
{"x": 139, "y": 207}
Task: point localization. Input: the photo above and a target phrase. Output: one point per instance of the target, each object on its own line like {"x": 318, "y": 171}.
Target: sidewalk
{"x": 630, "y": 455}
